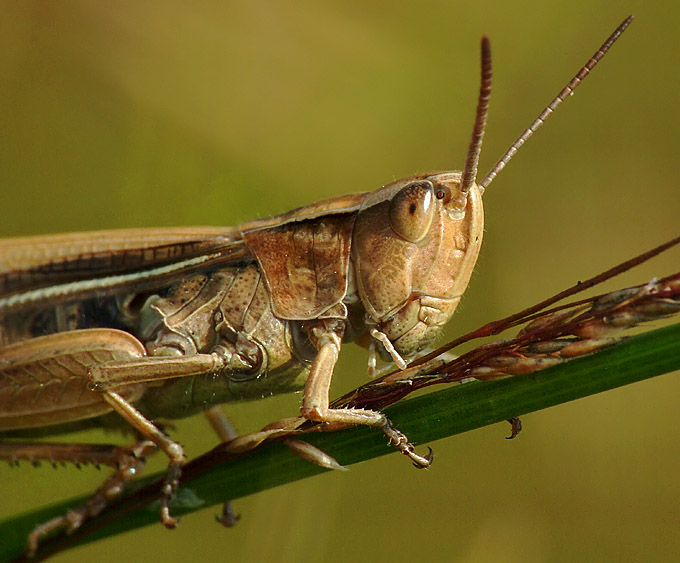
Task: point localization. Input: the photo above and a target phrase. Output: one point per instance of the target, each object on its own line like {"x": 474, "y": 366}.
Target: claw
{"x": 228, "y": 519}
{"x": 399, "y": 440}
{"x": 516, "y": 424}
{"x": 168, "y": 520}
{"x": 423, "y": 462}
{"x": 169, "y": 487}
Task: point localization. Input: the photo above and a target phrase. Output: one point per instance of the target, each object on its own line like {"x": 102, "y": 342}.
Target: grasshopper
{"x": 122, "y": 328}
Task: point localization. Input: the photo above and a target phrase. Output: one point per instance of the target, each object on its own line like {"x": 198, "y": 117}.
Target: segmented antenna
{"x": 567, "y": 91}
{"x": 472, "y": 159}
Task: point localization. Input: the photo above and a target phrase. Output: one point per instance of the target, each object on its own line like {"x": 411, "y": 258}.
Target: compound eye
{"x": 412, "y": 211}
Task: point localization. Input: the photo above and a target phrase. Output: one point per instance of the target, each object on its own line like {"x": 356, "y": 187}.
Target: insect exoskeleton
{"x": 152, "y": 323}
{"x": 414, "y": 248}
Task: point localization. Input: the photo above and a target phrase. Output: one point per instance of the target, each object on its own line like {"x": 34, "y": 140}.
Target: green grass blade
{"x": 436, "y": 415}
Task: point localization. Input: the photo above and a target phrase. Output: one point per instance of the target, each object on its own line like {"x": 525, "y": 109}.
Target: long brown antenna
{"x": 470, "y": 170}
{"x": 567, "y": 91}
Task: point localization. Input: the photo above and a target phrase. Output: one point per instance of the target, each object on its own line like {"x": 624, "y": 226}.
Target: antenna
{"x": 567, "y": 91}
{"x": 470, "y": 170}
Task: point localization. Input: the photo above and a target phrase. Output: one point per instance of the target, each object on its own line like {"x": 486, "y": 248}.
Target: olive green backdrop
{"x": 116, "y": 114}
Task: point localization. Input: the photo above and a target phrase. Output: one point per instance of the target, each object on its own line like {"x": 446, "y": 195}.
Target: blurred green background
{"x": 121, "y": 114}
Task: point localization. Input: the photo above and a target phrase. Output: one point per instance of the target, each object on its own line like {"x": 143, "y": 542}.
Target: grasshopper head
{"x": 415, "y": 244}
{"x": 416, "y": 240}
